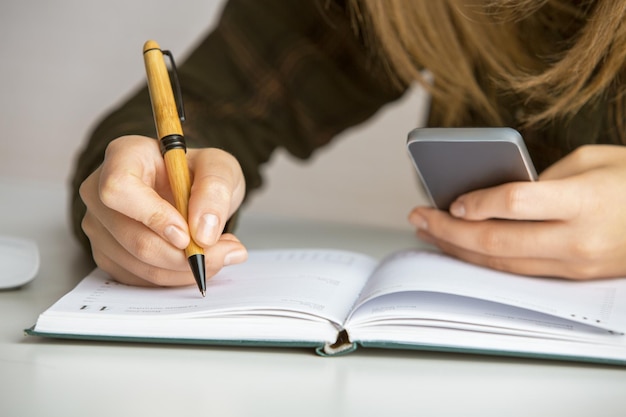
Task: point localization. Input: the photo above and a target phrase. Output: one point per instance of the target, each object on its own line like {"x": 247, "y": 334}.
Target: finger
{"x": 543, "y": 200}
{"x": 128, "y": 241}
{"x": 132, "y": 172}
{"x": 501, "y": 238}
{"x": 539, "y": 267}
{"x": 224, "y": 252}
{"x": 144, "y": 275}
{"x": 124, "y": 267}
{"x": 228, "y": 250}
{"x": 216, "y": 193}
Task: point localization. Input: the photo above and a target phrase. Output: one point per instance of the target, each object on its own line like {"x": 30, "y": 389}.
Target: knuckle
{"x": 490, "y": 240}
{"x": 110, "y": 189}
{"x": 83, "y": 191}
{"x": 156, "y": 219}
{"x": 587, "y": 249}
{"x": 143, "y": 248}
{"x": 589, "y": 256}
{"x": 582, "y": 155}
{"x": 87, "y": 225}
{"x": 515, "y": 199}
{"x": 218, "y": 188}
{"x": 103, "y": 262}
{"x": 87, "y": 190}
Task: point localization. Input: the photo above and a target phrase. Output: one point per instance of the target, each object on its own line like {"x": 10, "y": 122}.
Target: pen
{"x": 167, "y": 118}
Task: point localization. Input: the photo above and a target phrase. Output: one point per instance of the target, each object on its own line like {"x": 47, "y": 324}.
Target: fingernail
{"x": 176, "y": 236}
{"x": 418, "y": 221}
{"x": 207, "y": 229}
{"x": 235, "y": 257}
{"x": 457, "y": 209}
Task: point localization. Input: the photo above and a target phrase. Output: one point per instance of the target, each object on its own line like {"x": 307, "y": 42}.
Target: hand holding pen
{"x": 136, "y": 232}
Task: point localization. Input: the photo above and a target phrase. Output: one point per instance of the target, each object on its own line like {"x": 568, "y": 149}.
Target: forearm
{"x": 272, "y": 74}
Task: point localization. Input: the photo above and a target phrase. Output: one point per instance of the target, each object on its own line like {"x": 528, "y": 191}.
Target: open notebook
{"x": 336, "y": 300}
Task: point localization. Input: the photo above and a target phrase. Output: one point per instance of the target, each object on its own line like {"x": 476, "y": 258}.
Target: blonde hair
{"x": 552, "y": 56}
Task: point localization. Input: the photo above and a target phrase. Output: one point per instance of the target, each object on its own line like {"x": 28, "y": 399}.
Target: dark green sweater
{"x": 290, "y": 74}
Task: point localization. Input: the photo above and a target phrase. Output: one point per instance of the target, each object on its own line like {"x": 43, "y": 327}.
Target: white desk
{"x": 42, "y": 377}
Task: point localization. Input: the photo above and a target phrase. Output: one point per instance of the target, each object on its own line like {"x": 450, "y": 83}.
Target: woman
{"x": 290, "y": 74}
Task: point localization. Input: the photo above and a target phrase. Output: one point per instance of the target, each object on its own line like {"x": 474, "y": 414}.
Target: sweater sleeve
{"x": 276, "y": 73}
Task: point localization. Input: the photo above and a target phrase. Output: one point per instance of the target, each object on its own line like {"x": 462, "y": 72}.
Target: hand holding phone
{"x": 454, "y": 161}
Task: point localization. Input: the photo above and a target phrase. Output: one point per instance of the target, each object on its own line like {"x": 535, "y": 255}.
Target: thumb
{"x": 216, "y": 193}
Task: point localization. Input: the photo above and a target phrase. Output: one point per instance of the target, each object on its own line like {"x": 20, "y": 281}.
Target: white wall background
{"x": 64, "y": 62}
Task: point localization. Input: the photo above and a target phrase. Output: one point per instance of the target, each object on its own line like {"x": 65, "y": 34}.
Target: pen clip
{"x": 178, "y": 94}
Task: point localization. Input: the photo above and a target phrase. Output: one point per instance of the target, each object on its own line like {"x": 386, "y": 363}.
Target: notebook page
{"x": 296, "y": 283}
{"x": 597, "y": 303}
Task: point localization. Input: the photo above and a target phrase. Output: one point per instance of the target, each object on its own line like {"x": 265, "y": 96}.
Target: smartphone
{"x": 453, "y": 161}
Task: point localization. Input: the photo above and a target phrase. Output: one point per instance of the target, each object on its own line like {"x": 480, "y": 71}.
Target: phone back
{"x": 454, "y": 161}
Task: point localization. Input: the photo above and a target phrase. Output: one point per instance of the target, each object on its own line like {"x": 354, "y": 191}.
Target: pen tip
{"x": 196, "y": 262}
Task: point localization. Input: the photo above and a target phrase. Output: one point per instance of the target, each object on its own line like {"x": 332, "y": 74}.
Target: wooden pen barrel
{"x": 169, "y": 131}
{"x": 164, "y": 108}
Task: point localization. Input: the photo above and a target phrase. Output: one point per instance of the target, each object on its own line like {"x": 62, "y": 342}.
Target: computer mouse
{"x": 19, "y": 261}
